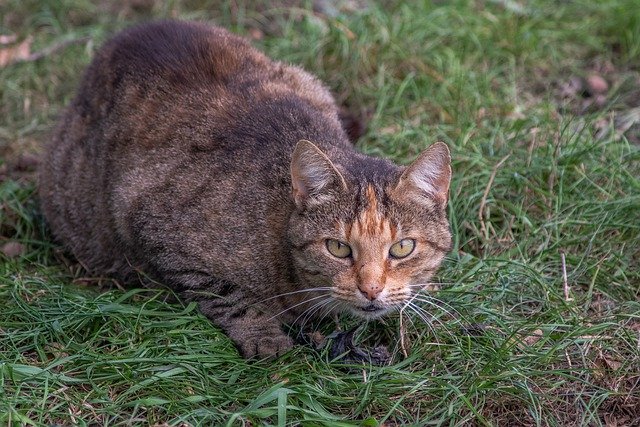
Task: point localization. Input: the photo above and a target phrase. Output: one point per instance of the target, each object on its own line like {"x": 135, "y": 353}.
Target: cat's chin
{"x": 370, "y": 311}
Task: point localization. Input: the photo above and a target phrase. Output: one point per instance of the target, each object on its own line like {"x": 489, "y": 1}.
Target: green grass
{"x": 505, "y": 346}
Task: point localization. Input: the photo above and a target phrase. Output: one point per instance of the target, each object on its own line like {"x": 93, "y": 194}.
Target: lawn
{"x": 537, "y": 320}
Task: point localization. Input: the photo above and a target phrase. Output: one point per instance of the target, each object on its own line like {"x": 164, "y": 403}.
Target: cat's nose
{"x": 370, "y": 290}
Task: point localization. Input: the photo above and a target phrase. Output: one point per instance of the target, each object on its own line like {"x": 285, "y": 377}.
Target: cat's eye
{"x": 338, "y": 249}
{"x": 402, "y": 249}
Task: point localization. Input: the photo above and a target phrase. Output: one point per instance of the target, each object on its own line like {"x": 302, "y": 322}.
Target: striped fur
{"x": 185, "y": 157}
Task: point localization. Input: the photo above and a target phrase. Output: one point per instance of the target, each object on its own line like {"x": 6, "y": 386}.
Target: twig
{"x": 566, "y": 354}
{"x": 52, "y": 49}
{"x": 402, "y": 332}
{"x": 565, "y": 282}
{"x": 483, "y": 202}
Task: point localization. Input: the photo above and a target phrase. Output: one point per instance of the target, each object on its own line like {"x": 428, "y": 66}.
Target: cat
{"x": 190, "y": 158}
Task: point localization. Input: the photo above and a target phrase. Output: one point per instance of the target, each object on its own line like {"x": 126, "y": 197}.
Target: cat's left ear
{"x": 429, "y": 175}
{"x": 314, "y": 177}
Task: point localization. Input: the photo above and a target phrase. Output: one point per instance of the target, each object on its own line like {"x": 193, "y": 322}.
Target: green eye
{"x": 338, "y": 249}
{"x": 402, "y": 249}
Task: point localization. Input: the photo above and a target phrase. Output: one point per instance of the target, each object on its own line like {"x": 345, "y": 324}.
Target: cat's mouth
{"x": 370, "y": 308}
{"x": 370, "y": 311}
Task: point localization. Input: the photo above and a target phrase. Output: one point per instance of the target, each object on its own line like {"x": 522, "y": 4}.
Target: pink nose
{"x": 370, "y": 290}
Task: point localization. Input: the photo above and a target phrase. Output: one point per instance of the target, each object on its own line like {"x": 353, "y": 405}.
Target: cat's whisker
{"x": 433, "y": 304}
{"x": 342, "y": 292}
{"x": 428, "y": 323}
{"x": 425, "y": 313}
{"x": 415, "y": 309}
{"x": 296, "y": 305}
{"x": 322, "y": 288}
{"x": 327, "y": 306}
{"x": 309, "y": 311}
{"x": 442, "y": 326}
{"x": 329, "y": 309}
{"x": 441, "y": 304}
{"x": 431, "y": 297}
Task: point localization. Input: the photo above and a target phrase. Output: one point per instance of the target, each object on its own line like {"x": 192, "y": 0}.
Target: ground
{"x": 537, "y": 321}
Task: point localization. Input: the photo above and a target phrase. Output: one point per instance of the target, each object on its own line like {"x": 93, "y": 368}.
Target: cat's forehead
{"x": 372, "y": 213}
{"x": 371, "y": 219}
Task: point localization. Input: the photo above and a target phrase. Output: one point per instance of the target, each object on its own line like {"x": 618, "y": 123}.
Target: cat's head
{"x": 367, "y": 233}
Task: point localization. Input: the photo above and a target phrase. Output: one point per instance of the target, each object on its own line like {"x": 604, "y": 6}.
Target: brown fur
{"x": 180, "y": 158}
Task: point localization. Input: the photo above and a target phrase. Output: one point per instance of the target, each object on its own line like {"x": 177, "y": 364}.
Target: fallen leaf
{"x": 612, "y": 363}
{"x": 19, "y": 52}
{"x": 533, "y": 337}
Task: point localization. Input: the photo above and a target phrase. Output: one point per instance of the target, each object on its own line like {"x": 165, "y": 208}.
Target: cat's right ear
{"x": 313, "y": 177}
{"x": 429, "y": 175}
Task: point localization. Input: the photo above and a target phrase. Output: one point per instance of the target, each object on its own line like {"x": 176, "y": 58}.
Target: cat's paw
{"x": 265, "y": 347}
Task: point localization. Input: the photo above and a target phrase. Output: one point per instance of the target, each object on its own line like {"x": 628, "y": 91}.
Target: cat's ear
{"x": 313, "y": 177}
{"x": 429, "y": 175}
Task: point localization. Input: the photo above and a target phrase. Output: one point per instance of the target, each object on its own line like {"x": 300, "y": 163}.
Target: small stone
{"x": 12, "y": 249}
{"x": 596, "y": 84}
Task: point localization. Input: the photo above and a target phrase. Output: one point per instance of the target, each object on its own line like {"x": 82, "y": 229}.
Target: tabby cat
{"x": 190, "y": 158}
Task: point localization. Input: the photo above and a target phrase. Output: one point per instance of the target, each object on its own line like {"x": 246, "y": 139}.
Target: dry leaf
{"x": 612, "y": 363}
{"x": 533, "y": 337}
{"x": 19, "y": 52}
{"x": 523, "y": 339}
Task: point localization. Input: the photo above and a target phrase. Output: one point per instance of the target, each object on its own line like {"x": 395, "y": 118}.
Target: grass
{"x": 506, "y": 346}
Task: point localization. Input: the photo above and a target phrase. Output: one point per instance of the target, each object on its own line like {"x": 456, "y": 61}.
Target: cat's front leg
{"x": 253, "y": 328}
{"x": 256, "y": 333}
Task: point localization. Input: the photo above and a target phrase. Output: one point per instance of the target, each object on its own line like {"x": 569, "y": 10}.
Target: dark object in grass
{"x": 343, "y": 348}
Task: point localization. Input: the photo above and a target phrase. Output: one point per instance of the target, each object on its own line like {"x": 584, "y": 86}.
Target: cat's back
{"x": 175, "y": 54}
{"x": 166, "y": 111}
{"x": 163, "y": 78}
